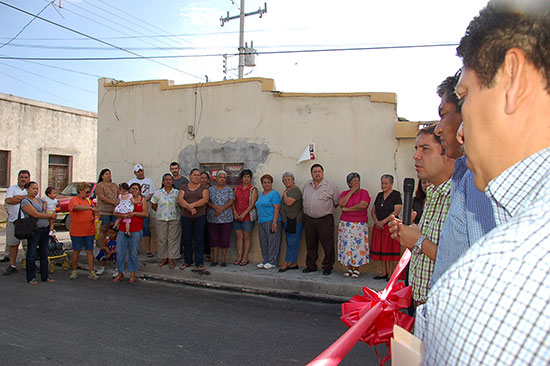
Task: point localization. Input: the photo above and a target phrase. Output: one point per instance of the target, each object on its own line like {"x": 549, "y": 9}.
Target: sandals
{"x": 184, "y": 266}
{"x": 355, "y": 274}
{"x": 149, "y": 255}
{"x": 244, "y": 263}
{"x": 118, "y": 278}
{"x": 238, "y": 262}
{"x": 33, "y": 281}
{"x": 163, "y": 262}
{"x": 132, "y": 279}
{"x": 349, "y": 273}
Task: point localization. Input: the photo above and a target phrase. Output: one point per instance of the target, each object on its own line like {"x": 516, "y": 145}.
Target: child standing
{"x": 51, "y": 203}
{"x": 124, "y": 206}
{"x": 109, "y": 252}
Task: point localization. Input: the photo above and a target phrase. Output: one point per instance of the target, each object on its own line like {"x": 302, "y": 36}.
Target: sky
{"x": 192, "y": 29}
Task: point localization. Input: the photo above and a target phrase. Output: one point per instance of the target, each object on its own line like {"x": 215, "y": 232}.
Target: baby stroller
{"x": 56, "y": 251}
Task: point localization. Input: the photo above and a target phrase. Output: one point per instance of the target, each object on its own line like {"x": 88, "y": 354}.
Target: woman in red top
{"x": 83, "y": 229}
{"x": 130, "y": 243}
{"x": 243, "y": 211}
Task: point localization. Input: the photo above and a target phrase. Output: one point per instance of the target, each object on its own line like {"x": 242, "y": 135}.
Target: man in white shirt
{"x": 492, "y": 306}
{"x": 14, "y": 195}
{"x": 148, "y": 188}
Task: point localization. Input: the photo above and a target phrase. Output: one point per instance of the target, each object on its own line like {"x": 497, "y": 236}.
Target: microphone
{"x": 408, "y": 188}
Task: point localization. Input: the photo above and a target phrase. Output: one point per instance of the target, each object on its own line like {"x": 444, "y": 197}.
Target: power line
{"x": 26, "y": 25}
{"x": 50, "y": 79}
{"x": 155, "y": 36}
{"x": 43, "y": 90}
{"x": 105, "y": 25}
{"x": 98, "y": 40}
{"x": 373, "y": 48}
{"x": 141, "y": 20}
{"x": 62, "y": 68}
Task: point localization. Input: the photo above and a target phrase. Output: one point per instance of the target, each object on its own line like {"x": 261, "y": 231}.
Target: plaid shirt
{"x": 492, "y": 307}
{"x": 435, "y": 211}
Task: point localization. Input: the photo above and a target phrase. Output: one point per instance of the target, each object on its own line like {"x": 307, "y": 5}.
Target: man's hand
{"x": 407, "y": 235}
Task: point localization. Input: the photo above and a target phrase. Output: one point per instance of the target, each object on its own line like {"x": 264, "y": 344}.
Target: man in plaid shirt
{"x": 432, "y": 165}
{"x": 492, "y": 306}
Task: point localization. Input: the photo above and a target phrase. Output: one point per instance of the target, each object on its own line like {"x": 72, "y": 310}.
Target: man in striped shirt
{"x": 492, "y": 306}
{"x": 432, "y": 165}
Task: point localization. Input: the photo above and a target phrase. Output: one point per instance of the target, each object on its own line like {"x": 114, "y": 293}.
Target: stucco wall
{"x": 33, "y": 130}
{"x": 147, "y": 122}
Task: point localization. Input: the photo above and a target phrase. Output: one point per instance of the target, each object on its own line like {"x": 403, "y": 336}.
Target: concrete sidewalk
{"x": 249, "y": 279}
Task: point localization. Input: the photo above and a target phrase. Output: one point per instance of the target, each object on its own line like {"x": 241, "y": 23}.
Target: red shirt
{"x": 136, "y": 224}
{"x": 82, "y": 222}
{"x": 242, "y": 200}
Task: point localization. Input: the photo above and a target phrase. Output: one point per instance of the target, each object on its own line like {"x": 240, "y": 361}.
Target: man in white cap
{"x": 147, "y": 189}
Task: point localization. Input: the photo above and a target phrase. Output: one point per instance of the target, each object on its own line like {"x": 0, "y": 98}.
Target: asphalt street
{"x": 83, "y": 322}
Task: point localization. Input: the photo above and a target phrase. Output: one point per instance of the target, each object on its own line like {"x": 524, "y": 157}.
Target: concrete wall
{"x": 33, "y": 130}
{"x": 248, "y": 121}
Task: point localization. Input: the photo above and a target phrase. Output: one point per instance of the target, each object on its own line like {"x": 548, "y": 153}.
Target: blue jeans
{"x": 146, "y": 226}
{"x": 130, "y": 244}
{"x": 39, "y": 240}
{"x": 293, "y": 242}
{"x": 192, "y": 232}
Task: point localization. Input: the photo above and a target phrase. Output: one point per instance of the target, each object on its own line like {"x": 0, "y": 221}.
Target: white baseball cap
{"x": 138, "y": 167}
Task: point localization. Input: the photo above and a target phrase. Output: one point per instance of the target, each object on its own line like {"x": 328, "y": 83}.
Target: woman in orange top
{"x": 83, "y": 229}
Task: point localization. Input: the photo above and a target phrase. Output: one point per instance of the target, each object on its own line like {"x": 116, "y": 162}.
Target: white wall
{"x": 146, "y": 122}
{"x": 33, "y": 130}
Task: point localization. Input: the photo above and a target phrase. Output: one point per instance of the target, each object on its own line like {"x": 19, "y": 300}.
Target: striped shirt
{"x": 492, "y": 307}
{"x": 438, "y": 199}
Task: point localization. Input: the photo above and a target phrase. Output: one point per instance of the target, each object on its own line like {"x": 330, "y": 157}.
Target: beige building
{"x": 247, "y": 123}
{"x": 56, "y": 144}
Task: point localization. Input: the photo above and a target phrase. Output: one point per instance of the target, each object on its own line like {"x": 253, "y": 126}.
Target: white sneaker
{"x": 269, "y": 266}
{"x": 260, "y": 265}
{"x": 115, "y": 273}
{"x": 100, "y": 271}
{"x": 52, "y": 233}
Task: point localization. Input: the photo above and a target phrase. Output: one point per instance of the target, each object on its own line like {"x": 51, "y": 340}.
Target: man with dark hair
{"x": 14, "y": 195}
{"x": 320, "y": 200}
{"x": 431, "y": 165}
{"x": 470, "y": 215}
{"x": 492, "y": 306}
{"x": 179, "y": 180}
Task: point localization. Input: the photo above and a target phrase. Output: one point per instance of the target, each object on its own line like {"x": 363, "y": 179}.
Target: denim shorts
{"x": 107, "y": 219}
{"x": 146, "y": 224}
{"x": 83, "y": 242}
{"x": 243, "y": 225}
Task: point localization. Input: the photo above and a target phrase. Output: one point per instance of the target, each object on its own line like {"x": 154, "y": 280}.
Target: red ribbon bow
{"x": 371, "y": 317}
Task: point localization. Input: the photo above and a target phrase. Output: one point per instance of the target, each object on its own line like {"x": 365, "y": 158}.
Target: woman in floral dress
{"x": 353, "y": 232}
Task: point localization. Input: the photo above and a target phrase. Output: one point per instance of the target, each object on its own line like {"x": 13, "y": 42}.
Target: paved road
{"x": 155, "y": 323}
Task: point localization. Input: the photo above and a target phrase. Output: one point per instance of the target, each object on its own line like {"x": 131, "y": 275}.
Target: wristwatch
{"x": 418, "y": 245}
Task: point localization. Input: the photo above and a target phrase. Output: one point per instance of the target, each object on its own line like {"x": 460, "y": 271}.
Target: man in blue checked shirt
{"x": 492, "y": 306}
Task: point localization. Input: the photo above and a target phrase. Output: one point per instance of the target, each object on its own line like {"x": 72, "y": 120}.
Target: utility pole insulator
{"x": 244, "y": 51}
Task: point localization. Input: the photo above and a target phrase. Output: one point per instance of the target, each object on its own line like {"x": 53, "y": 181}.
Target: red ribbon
{"x": 371, "y": 317}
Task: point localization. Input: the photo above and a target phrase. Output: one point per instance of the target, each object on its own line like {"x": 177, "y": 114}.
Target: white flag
{"x": 308, "y": 154}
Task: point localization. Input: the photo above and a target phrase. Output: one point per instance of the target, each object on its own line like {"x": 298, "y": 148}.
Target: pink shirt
{"x": 356, "y": 216}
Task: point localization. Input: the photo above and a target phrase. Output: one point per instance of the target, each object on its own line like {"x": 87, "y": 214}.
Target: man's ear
{"x": 513, "y": 71}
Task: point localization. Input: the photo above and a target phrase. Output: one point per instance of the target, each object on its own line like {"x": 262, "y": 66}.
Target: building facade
{"x": 246, "y": 123}
{"x": 57, "y": 144}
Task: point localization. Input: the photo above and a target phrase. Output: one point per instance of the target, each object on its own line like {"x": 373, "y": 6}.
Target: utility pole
{"x": 241, "y": 16}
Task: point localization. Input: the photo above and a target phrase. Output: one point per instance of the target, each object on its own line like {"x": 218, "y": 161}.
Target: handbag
{"x": 253, "y": 213}
{"x": 25, "y": 227}
{"x": 290, "y": 225}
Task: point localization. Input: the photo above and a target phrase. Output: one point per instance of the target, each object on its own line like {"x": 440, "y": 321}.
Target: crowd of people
{"x": 480, "y": 238}
{"x": 196, "y": 215}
